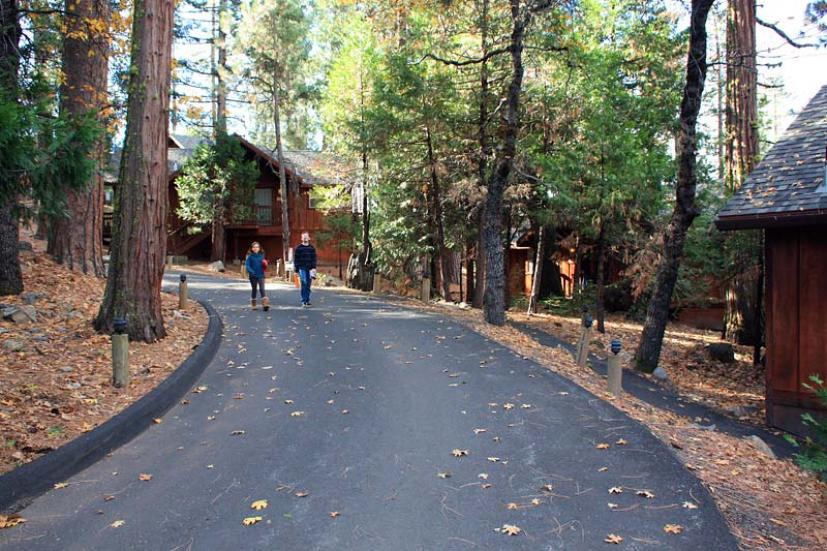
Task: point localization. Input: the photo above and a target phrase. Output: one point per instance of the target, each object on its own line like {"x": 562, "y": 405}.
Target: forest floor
{"x": 735, "y": 389}
{"x": 768, "y": 503}
{"x": 55, "y": 373}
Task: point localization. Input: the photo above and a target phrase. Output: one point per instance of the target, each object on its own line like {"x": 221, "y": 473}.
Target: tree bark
{"x": 11, "y": 278}
{"x": 482, "y": 160}
{"x": 133, "y": 287}
{"x": 285, "y": 197}
{"x": 600, "y": 306}
{"x": 76, "y": 239}
{"x": 219, "y": 234}
{"x": 685, "y": 211}
{"x": 444, "y": 258}
{"x": 741, "y": 93}
{"x": 495, "y": 306}
{"x": 742, "y": 320}
{"x": 221, "y": 73}
{"x": 537, "y": 276}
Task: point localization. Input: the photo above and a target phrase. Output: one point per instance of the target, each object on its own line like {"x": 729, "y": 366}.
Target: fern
{"x": 814, "y": 448}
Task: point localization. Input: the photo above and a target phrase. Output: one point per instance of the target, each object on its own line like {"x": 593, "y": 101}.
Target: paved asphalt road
{"x": 385, "y": 395}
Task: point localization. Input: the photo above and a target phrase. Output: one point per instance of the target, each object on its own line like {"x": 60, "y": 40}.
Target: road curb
{"x": 22, "y": 485}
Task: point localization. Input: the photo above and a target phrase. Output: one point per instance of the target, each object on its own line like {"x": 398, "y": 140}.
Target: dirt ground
{"x": 736, "y": 389}
{"x": 58, "y": 385}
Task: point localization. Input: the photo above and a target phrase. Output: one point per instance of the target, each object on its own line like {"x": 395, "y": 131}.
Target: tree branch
{"x": 783, "y": 35}
{"x": 456, "y": 63}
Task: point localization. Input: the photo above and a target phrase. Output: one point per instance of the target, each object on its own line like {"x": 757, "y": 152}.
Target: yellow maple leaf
{"x": 508, "y": 405}
{"x": 511, "y": 529}
{"x": 673, "y": 528}
{"x": 145, "y": 477}
{"x": 249, "y": 521}
{"x": 258, "y": 505}
{"x": 61, "y": 485}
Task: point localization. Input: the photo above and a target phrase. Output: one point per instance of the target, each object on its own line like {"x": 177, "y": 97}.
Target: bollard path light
{"x": 120, "y": 353}
{"x": 614, "y": 374}
{"x": 182, "y": 292}
{"x": 588, "y": 320}
{"x": 119, "y": 324}
{"x": 183, "y": 278}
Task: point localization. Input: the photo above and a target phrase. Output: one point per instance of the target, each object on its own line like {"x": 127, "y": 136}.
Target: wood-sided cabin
{"x": 264, "y": 223}
{"x": 786, "y": 196}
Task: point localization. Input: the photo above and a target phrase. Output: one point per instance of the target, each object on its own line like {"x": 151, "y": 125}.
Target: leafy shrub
{"x": 814, "y": 454}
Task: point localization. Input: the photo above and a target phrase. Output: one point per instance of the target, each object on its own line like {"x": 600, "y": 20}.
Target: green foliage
{"x": 217, "y": 179}
{"x": 814, "y": 455}
{"x": 43, "y": 155}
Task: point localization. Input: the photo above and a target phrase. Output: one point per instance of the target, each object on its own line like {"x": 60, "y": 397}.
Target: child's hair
{"x": 260, "y": 248}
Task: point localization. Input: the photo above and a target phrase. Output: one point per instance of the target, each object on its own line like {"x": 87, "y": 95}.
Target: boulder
{"x": 20, "y": 314}
{"x": 217, "y": 266}
{"x": 29, "y": 297}
{"x": 721, "y": 351}
{"x": 13, "y": 345}
{"x": 760, "y": 445}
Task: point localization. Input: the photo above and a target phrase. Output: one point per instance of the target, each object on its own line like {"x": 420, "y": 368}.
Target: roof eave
{"x": 772, "y": 220}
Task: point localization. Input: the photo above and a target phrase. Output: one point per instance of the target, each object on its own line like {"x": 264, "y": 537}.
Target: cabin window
{"x": 264, "y": 205}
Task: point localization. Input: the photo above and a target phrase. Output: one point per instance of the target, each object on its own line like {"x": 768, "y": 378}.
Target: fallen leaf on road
{"x": 536, "y": 501}
{"x": 117, "y": 524}
{"x": 334, "y": 514}
{"x": 546, "y": 488}
{"x": 199, "y": 389}
{"x": 478, "y": 431}
{"x": 645, "y": 493}
{"x": 157, "y": 421}
{"x": 259, "y": 504}
{"x": 486, "y": 486}
{"x": 689, "y": 505}
{"x": 508, "y": 405}
{"x": 444, "y": 474}
{"x": 615, "y": 490}
{"x": 10, "y": 521}
{"x": 602, "y": 446}
{"x": 483, "y": 476}
{"x": 145, "y": 477}
{"x": 614, "y": 539}
{"x": 297, "y": 414}
{"x": 621, "y": 442}
{"x": 237, "y": 433}
{"x": 494, "y": 459}
{"x": 512, "y": 506}
{"x": 61, "y": 485}
{"x": 511, "y": 529}
{"x": 301, "y": 494}
{"x": 613, "y": 505}
{"x": 673, "y": 528}
{"x": 288, "y": 402}
{"x": 459, "y": 453}
{"x": 249, "y": 521}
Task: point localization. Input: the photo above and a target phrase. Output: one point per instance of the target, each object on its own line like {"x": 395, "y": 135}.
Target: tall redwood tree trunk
{"x": 133, "y": 287}
{"x": 742, "y": 321}
{"x": 76, "y": 240}
{"x": 685, "y": 211}
{"x": 537, "y": 276}
{"x": 482, "y": 160}
{"x": 444, "y": 258}
{"x": 11, "y": 278}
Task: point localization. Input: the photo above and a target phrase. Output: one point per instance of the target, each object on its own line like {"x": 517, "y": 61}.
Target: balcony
{"x": 261, "y": 215}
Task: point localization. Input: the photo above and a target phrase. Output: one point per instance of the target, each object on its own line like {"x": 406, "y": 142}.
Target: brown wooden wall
{"x": 796, "y": 304}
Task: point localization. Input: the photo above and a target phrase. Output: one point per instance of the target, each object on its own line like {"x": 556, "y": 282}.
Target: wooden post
{"x": 615, "y": 371}
{"x": 120, "y": 354}
{"x": 182, "y": 293}
{"x": 425, "y": 292}
{"x": 585, "y": 339}
{"x": 377, "y": 284}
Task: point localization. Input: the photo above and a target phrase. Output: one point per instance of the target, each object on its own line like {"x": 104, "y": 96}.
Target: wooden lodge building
{"x": 786, "y": 196}
{"x": 304, "y": 169}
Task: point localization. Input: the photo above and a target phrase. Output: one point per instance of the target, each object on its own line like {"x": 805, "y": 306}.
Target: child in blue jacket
{"x": 256, "y": 265}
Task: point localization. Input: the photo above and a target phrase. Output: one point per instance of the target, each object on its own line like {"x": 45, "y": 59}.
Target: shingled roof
{"x": 787, "y": 187}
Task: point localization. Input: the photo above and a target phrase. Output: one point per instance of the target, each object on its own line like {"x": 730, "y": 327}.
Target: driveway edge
{"x": 25, "y": 483}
